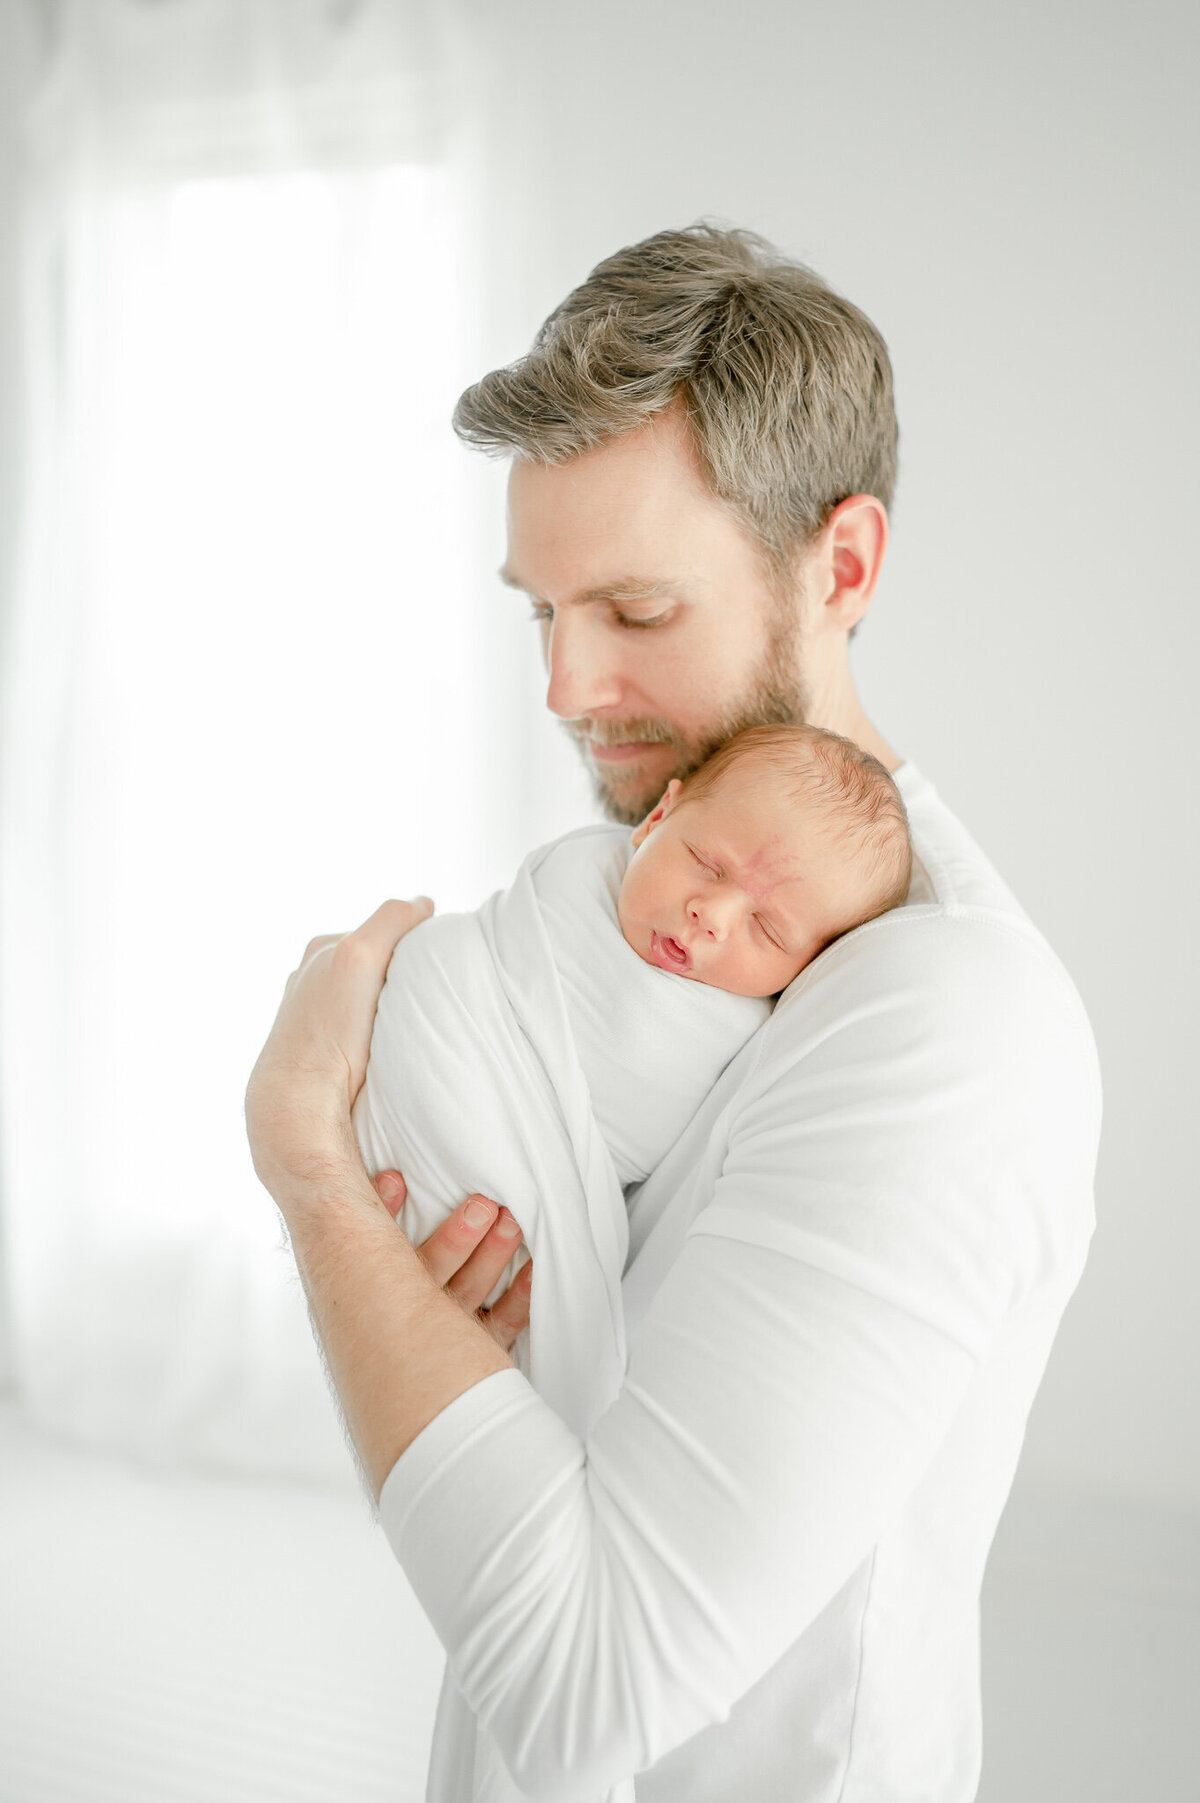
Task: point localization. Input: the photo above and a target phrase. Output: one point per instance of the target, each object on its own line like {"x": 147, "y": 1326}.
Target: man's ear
{"x": 845, "y": 561}
{"x": 669, "y": 798}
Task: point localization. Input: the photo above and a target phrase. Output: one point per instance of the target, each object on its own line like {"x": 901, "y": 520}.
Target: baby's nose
{"x": 713, "y": 916}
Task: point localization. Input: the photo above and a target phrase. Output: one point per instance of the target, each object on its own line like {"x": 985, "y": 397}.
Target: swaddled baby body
{"x": 650, "y": 1047}
{"x": 561, "y": 1037}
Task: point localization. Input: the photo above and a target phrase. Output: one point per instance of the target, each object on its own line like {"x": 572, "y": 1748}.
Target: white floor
{"x": 201, "y": 1640}
{"x": 210, "y": 1640}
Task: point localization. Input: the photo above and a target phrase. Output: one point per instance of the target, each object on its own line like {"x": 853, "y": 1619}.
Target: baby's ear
{"x": 666, "y": 802}
{"x": 640, "y": 831}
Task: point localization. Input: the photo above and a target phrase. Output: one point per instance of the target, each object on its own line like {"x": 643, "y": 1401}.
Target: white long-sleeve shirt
{"x": 758, "y": 1577}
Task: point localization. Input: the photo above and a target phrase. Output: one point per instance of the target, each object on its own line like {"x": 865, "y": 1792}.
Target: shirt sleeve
{"x": 907, "y": 1163}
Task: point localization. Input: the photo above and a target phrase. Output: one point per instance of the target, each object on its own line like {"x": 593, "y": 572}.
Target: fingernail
{"x": 389, "y": 1188}
{"x": 508, "y": 1228}
{"x": 477, "y": 1213}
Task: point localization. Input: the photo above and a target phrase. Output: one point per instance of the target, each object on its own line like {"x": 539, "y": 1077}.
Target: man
{"x": 759, "y": 1577}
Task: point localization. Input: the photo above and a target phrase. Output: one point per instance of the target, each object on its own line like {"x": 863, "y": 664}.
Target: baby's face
{"x": 735, "y": 888}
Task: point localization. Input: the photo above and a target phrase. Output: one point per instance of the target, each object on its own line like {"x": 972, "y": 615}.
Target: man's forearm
{"x": 400, "y": 1348}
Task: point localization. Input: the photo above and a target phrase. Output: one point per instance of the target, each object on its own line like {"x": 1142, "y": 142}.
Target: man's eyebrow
{"x": 625, "y": 588}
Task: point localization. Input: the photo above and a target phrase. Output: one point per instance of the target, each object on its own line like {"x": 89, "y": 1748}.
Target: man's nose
{"x": 584, "y": 671}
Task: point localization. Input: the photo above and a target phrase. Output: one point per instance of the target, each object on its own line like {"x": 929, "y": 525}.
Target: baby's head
{"x": 785, "y": 839}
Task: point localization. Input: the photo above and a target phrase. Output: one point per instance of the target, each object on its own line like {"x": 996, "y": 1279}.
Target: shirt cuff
{"x": 486, "y": 1497}
{"x": 477, "y": 1411}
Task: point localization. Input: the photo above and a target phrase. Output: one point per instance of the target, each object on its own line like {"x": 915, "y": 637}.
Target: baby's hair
{"x": 861, "y": 806}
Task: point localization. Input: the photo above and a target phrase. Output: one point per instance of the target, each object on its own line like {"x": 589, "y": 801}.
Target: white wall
{"x": 18, "y": 60}
{"x": 1009, "y": 193}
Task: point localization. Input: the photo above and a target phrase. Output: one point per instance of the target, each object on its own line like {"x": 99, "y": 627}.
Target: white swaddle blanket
{"x": 527, "y": 1052}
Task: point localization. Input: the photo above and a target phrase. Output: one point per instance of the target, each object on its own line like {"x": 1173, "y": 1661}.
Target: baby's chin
{"x": 759, "y": 993}
{"x": 759, "y": 989}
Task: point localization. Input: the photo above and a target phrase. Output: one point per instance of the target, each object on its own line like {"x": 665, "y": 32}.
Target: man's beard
{"x": 775, "y": 696}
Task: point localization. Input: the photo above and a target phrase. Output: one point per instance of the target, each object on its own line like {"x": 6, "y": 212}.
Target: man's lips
{"x": 620, "y": 754}
{"x": 668, "y": 954}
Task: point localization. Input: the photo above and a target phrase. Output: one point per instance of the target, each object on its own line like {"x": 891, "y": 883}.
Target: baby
{"x": 785, "y": 839}
{"x": 596, "y": 1002}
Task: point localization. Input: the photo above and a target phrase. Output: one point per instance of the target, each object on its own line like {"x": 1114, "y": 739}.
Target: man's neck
{"x": 857, "y": 727}
{"x": 834, "y": 704}
{"x": 831, "y": 698}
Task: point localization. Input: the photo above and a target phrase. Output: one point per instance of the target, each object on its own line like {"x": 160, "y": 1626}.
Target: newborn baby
{"x": 564, "y": 1034}
{"x": 785, "y": 839}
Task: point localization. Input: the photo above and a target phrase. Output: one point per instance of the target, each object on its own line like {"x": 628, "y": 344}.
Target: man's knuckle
{"x": 353, "y": 955}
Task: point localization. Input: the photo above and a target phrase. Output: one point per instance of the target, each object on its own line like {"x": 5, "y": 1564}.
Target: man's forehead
{"x": 635, "y": 509}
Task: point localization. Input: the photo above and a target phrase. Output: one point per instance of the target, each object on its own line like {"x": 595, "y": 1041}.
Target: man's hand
{"x": 314, "y": 1062}
{"x": 399, "y": 1347}
{"x": 467, "y": 1253}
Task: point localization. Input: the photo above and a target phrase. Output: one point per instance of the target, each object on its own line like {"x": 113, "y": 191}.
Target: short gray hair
{"x": 787, "y": 387}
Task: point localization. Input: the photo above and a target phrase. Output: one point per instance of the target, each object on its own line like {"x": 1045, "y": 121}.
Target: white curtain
{"x": 244, "y": 601}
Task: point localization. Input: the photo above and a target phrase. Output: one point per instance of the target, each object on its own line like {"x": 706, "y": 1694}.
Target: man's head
{"x": 704, "y": 451}
{"x": 786, "y": 839}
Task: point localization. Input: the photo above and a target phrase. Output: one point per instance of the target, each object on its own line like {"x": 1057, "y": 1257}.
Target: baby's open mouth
{"x": 673, "y": 954}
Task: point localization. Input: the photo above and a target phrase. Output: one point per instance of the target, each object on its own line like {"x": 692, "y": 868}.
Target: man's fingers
{"x": 318, "y": 944}
{"x": 479, "y": 1274}
{"x": 466, "y": 1256}
{"x": 506, "y": 1318}
{"x": 378, "y": 935}
{"x": 389, "y": 923}
{"x": 391, "y": 1189}
{"x": 451, "y": 1245}
{"x": 468, "y": 1252}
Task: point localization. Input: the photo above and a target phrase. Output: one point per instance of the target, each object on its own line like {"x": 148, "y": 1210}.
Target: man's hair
{"x": 860, "y": 806}
{"x": 786, "y": 387}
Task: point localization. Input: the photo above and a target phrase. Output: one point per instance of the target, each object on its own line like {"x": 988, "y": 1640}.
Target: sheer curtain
{"x": 244, "y": 695}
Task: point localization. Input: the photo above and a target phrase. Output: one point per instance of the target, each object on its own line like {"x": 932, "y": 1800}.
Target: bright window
{"x": 263, "y": 749}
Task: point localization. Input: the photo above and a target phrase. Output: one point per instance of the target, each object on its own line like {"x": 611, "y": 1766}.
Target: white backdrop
{"x": 1006, "y": 192}
{"x": 245, "y": 690}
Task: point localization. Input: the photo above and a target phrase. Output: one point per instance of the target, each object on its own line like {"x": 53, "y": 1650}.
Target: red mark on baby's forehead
{"x": 769, "y": 868}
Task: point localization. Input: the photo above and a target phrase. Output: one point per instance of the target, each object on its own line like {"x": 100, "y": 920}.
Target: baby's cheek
{"x": 631, "y": 916}
{"x": 773, "y": 971}
{"x": 624, "y": 912}
{"x": 740, "y": 971}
